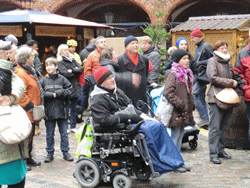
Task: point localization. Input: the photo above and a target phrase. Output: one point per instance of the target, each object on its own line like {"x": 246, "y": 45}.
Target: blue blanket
{"x": 164, "y": 154}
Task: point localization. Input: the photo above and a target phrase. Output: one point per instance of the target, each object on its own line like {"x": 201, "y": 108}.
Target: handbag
{"x": 202, "y": 71}
{"x": 38, "y": 112}
{"x": 15, "y": 124}
{"x": 202, "y": 74}
{"x": 227, "y": 99}
{"x": 164, "y": 111}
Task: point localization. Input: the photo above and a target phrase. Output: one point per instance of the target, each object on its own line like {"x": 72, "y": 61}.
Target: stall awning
{"x": 33, "y": 16}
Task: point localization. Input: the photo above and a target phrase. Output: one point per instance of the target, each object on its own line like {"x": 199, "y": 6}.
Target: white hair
{"x": 23, "y": 54}
{"x": 99, "y": 38}
{"x": 59, "y": 50}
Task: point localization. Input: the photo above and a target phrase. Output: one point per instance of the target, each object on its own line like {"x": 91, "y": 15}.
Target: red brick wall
{"x": 149, "y": 6}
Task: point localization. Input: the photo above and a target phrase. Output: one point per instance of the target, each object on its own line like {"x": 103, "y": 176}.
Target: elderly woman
{"x": 220, "y": 73}
{"x": 11, "y": 162}
{"x": 32, "y": 93}
{"x": 70, "y": 69}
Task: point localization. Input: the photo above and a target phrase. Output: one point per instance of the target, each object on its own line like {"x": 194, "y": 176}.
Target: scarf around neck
{"x": 183, "y": 74}
{"x": 32, "y": 71}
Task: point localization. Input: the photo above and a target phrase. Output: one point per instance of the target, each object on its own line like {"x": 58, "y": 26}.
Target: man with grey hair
{"x": 91, "y": 64}
{"x": 11, "y": 55}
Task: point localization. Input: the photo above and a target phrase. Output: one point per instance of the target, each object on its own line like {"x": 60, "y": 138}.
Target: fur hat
{"x": 178, "y": 54}
{"x": 129, "y": 39}
{"x": 101, "y": 74}
{"x": 196, "y": 33}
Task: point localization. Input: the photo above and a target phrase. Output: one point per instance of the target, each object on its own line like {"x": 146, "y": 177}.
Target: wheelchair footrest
{"x": 155, "y": 175}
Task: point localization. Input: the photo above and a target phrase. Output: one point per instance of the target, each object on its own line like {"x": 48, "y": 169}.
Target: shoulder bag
{"x": 38, "y": 112}
{"x": 15, "y": 125}
{"x": 164, "y": 111}
{"x": 202, "y": 70}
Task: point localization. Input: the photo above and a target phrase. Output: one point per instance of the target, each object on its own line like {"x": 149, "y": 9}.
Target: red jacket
{"x": 92, "y": 62}
{"x": 242, "y": 71}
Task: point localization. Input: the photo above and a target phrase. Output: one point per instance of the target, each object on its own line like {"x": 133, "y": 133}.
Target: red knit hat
{"x": 101, "y": 74}
{"x": 196, "y": 33}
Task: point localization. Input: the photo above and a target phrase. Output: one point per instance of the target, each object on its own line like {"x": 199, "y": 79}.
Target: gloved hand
{"x": 147, "y": 118}
{"x": 133, "y": 117}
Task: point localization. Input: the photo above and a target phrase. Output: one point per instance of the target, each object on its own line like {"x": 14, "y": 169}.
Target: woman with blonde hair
{"x": 69, "y": 68}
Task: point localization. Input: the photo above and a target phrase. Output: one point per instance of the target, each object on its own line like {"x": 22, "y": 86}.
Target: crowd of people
{"x": 121, "y": 81}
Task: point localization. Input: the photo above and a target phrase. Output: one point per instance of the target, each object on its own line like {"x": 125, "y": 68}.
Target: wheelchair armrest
{"x": 103, "y": 129}
{"x": 134, "y": 129}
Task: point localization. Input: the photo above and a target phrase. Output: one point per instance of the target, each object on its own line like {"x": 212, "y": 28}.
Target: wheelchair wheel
{"x": 122, "y": 181}
{"x": 87, "y": 173}
{"x": 143, "y": 174}
{"x": 193, "y": 144}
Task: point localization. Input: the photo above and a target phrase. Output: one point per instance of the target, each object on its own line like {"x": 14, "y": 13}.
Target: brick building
{"x": 131, "y": 14}
{"x": 127, "y": 11}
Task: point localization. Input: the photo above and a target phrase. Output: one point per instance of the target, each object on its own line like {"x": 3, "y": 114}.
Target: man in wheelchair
{"x": 111, "y": 107}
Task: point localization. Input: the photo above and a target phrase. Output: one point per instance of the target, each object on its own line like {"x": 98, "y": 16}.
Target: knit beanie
{"x": 196, "y": 33}
{"x": 101, "y": 74}
{"x": 179, "y": 40}
{"x": 11, "y": 38}
{"x": 129, "y": 39}
{"x": 178, "y": 54}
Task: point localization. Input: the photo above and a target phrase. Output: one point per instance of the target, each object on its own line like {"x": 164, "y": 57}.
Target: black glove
{"x": 124, "y": 118}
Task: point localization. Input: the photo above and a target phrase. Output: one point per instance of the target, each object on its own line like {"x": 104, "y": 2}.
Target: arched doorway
{"x": 186, "y": 9}
{"x": 127, "y": 16}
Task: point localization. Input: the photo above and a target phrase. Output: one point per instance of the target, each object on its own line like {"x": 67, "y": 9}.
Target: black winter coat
{"x": 86, "y": 51}
{"x": 206, "y": 51}
{"x": 127, "y": 66}
{"x": 56, "y": 108}
{"x": 103, "y": 106}
{"x": 63, "y": 67}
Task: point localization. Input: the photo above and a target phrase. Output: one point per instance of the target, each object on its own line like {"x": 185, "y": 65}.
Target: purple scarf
{"x": 183, "y": 74}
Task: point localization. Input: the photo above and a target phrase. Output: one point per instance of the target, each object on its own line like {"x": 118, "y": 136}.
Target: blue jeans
{"x": 73, "y": 112}
{"x": 248, "y": 115}
{"x": 50, "y": 130}
{"x": 199, "y": 100}
{"x": 177, "y": 135}
{"x": 83, "y": 99}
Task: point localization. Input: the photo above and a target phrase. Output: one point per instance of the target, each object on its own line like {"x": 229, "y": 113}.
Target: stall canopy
{"x": 33, "y": 16}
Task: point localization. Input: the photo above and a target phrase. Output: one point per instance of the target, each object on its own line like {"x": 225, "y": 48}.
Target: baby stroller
{"x": 112, "y": 156}
{"x": 190, "y": 134}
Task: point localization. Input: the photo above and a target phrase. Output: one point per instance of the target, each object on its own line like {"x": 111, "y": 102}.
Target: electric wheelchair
{"x": 117, "y": 155}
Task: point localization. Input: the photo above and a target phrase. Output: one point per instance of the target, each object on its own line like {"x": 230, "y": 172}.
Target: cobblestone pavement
{"x": 231, "y": 173}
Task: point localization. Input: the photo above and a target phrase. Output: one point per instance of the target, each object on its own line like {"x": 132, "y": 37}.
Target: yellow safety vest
{"x": 84, "y": 143}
